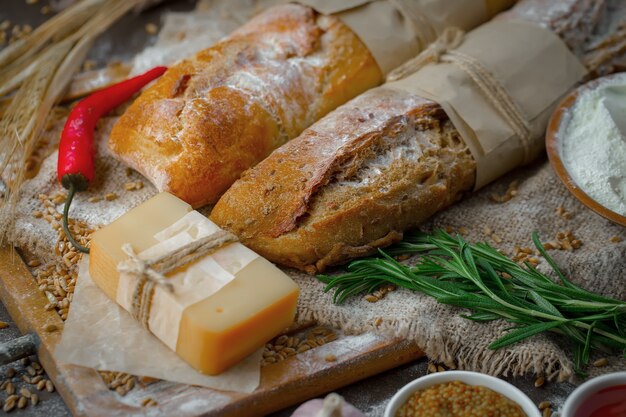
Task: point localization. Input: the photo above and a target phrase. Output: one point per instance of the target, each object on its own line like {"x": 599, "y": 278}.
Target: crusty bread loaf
{"x": 212, "y": 116}
{"x": 383, "y": 162}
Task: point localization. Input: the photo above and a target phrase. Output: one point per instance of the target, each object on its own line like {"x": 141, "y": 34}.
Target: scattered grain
{"x": 9, "y": 404}
{"x": 615, "y": 239}
{"x": 151, "y": 29}
{"x": 24, "y": 392}
{"x": 601, "y": 362}
{"x": 440, "y": 368}
{"x": 547, "y": 412}
{"x": 33, "y": 263}
{"x": 21, "y": 403}
{"x": 563, "y": 213}
{"x": 544, "y": 404}
{"x": 49, "y": 386}
{"x": 94, "y": 199}
{"x": 3, "y": 324}
{"x": 11, "y": 372}
{"x": 149, "y": 402}
{"x": 51, "y": 328}
{"x": 130, "y": 384}
{"x": 539, "y": 382}
{"x": 110, "y": 196}
{"x": 31, "y": 371}
{"x": 432, "y": 368}
{"x": 34, "y": 399}
{"x": 41, "y": 385}
{"x": 510, "y": 192}
{"x": 10, "y": 388}
{"x": 370, "y": 298}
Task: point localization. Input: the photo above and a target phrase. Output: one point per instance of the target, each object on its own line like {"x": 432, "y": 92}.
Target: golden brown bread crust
{"x": 352, "y": 182}
{"x": 212, "y": 116}
{"x": 385, "y": 161}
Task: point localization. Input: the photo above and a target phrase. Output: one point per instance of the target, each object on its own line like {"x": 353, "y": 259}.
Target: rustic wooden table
{"x": 125, "y": 39}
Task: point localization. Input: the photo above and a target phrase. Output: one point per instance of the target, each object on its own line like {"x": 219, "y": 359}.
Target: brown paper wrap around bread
{"x": 395, "y": 30}
{"x": 392, "y": 157}
{"x": 210, "y": 117}
{"x": 535, "y": 77}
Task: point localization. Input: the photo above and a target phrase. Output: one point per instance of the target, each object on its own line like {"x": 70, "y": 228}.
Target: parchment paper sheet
{"x": 100, "y": 334}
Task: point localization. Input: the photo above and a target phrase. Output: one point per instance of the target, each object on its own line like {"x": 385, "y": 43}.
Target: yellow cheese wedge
{"x": 220, "y": 330}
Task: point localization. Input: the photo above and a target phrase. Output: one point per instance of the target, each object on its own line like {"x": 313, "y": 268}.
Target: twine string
{"x": 152, "y": 272}
{"x": 442, "y": 50}
{"x": 449, "y": 39}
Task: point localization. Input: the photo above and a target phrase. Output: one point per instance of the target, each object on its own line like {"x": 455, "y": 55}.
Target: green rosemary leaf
{"x": 471, "y": 276}
{"x": 578, "y": 360}
{"x": 548, "y": 258}
{"x": 471, "y": 301}
{"x": 620, "y": 323}
{"x": 523, "y": 333}
{"x": 543, "y": 304}
{"x": 588, "y": 341}
{"x": 482, "y": 316}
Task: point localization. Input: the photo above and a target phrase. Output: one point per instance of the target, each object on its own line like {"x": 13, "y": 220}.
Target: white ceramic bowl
{"x": 470, "y": 378}
{"x": 592, "y": 386}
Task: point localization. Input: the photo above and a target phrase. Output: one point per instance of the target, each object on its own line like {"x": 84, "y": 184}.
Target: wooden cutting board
{"x": 285, "y": 383}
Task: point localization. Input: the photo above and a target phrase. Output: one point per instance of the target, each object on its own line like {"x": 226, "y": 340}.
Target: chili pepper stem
{"x": 66, "y": 229}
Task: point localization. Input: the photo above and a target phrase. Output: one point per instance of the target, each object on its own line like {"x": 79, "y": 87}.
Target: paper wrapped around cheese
{"x": 213, "y": 311}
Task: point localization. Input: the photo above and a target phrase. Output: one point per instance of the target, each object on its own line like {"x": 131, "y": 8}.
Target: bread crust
{"x": 351, "y": 183}
{"x": 385, "y": 161}
{"x": 212, "y": 116}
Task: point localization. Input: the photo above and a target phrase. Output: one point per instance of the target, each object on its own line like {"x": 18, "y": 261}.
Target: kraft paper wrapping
{"x": 533, "y": 65}
{"x": 117, "y": 342}
{"x": 396, "y": 30}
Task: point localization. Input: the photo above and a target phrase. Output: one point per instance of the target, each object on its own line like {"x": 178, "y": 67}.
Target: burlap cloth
{"x": 599, "y": 265}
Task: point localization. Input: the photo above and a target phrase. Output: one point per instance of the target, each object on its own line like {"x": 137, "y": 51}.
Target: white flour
{"x": 593, "y": 149}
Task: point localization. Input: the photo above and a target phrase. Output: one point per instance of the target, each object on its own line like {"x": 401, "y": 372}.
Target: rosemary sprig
{"x": 481, "y": 279}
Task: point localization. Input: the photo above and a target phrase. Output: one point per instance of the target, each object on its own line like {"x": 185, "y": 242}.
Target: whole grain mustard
{"x": 457, "y": 399}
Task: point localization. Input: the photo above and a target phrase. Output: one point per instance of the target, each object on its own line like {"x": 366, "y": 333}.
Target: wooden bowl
{"x": 553, "y": 147}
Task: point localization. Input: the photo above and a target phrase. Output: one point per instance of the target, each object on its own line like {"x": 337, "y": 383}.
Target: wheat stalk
{"x": 38, "y": 69}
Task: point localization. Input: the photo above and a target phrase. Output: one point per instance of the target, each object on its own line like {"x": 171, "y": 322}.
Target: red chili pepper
{"x": 75, "y": 168}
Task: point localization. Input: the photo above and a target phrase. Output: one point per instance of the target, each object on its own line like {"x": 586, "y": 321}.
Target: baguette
{"x": 225, "y": 109}
{"x": 387, "y": 160}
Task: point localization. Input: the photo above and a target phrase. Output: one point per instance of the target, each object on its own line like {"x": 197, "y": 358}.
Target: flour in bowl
{"x": 593, "y": 149}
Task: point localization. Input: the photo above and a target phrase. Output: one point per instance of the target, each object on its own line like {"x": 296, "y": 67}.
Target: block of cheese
{"x": 223, "y": 306}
